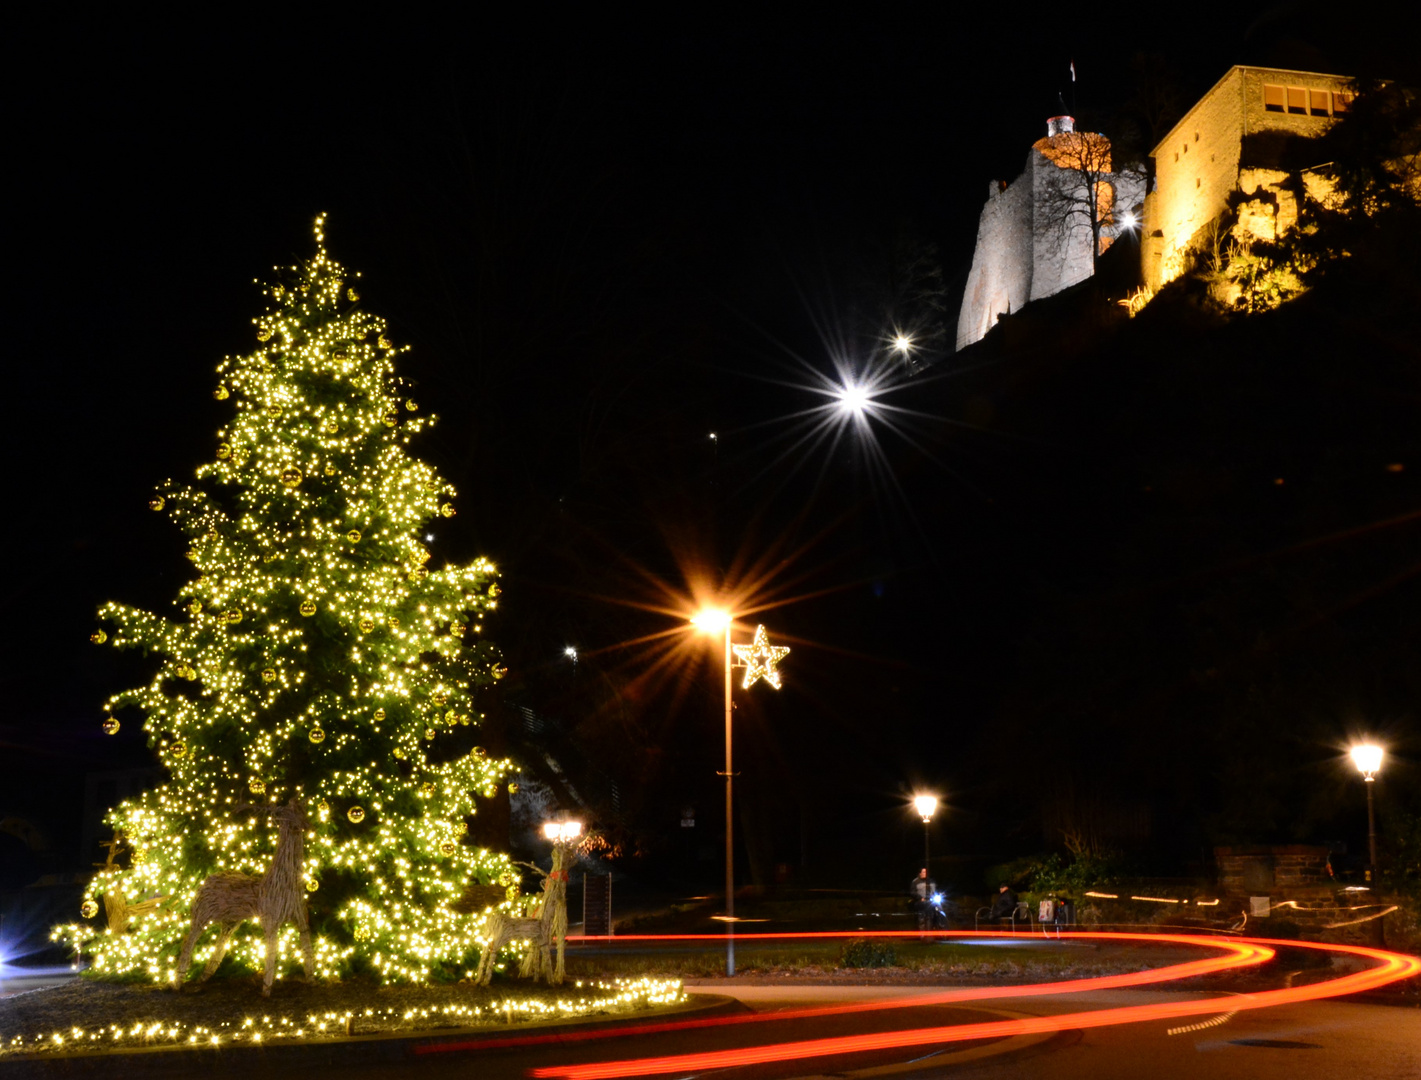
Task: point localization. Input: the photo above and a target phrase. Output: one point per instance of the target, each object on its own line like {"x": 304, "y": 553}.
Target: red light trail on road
{"x": 1236, "y": 954}
{"x": 1392, "y": 967}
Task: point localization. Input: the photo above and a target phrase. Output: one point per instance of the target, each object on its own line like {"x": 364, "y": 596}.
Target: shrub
{"x": 862, "y": 953}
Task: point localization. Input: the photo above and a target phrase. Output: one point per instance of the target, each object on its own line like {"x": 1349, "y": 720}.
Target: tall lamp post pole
{"x": 1368, "y": 759}
{"x": 926, "y": 806}
{"x": 760, "y": 658}
{"x": 729, "y": 819}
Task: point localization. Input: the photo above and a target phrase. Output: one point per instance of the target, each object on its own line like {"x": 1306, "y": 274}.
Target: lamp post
{"x": 759, "y": 658}
{"x": 711, "y": 621}
{"x": 926, "y": 806}
{"x": 1368, "y": 759}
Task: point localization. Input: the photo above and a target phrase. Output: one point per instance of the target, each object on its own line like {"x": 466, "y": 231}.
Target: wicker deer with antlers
{"x": 546, "y": 930}
{"x": 277, "y": 897}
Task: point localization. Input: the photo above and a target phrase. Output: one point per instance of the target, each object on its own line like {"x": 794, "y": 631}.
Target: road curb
{"x": 395, "y": 1048}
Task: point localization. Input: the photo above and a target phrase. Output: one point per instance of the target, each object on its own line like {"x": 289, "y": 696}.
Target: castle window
{"x": 1196, "y": 136}
{"x": 1297, "y": 100}
{"x": 1274, "y": 98}
{"x": 1317, "y": 102}
{"x": 1341, "y": 102}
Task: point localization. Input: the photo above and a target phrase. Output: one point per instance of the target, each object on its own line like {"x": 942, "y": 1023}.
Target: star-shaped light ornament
{"x": 760, "y": 658}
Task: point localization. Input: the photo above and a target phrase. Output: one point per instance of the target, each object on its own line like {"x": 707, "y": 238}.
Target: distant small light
{"x": 1396, "y": 466}
{"x": 570, "y": 652}
{"x": 936, "y": 899}
{"x": 1279, "y": 481}
{"x": 713, "y": 437}
{"x": 902, "y": 343}
{"x": 429, "y": 537}
{"x": 1129, "y": 220}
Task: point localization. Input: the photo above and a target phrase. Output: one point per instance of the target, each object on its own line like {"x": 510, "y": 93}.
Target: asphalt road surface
{"x": 1336, "y": 1040}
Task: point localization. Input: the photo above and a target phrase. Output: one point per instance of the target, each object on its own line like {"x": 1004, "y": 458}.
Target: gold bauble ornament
{"x": 308, "y": 607}
{"x": 421, "y": 556}
{"x": 356, "y": 814}
{"x": 464, "y": 719}
{"x": 354, "y": 296}
{"x": 451, "y": 717}
{"x": 513, "y": 789}
{"x": 191, "y": 556}
{"x": 291, "y": 477}
{"x": 401, "y": 753}
{"x": 431, "y": 486}
{"x": 110, "y": 725}
{"x": 257, "y": 787}
{"x": 412, "y": 405}
{"x": 394, "y": 622}
{"x": 221, "y": 393}
{"x": 477, "y": 751}
{"x": 490, "y": 792}
{"x": 155, "y": 503}
{"x": 323, "y": 806}
{"x": 263, "y": 334}
{"x": 223, "y": 452}
{"x": 312, "y": 884}
{"x": 367, "y": 625}
{"x": 194, "y": 607}
{"x": 494, "y": 590}
{"x": 463, "y": 826}
{"x": 499, "y": 672}
{"x": 448, "y": 847}
{"x": 273, "y": 411}
{"x": 88, "y": 909}
{"x": 506, "y": 879}
{"x": 269, "y": 675}
{"x": 459, "y": 629}
{"x": 440, "y": 698}
{"x": 447, "y": 510}
{"x": 317, "y": 735}
{"x": 331, "y": 426}
{"x": 178, "y": 750}
{"x": 353, "y": 536}
{"x": 385, "y": 343}
{"x": 379, "y": 715}
{"x": 234, "y": 616}
{"x": 330, "y": 470}
{"x": 361, "y": 933}
{"x": 391, "y": 418}
{"x": 426, "y": 789}
{"x": 429, "y": 733}
{"x": 98, "y": 637}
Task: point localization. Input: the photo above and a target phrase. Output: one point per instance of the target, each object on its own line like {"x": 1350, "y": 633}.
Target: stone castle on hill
{"x": 1241, "y": 137}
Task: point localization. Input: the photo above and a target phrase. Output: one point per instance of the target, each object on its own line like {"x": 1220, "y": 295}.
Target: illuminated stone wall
{"x": 1000, "y": 280}
{"x": 1206, "y": 157}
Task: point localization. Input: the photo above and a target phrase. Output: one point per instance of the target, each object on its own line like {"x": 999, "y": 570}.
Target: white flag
{"x": 1073, "y": 71}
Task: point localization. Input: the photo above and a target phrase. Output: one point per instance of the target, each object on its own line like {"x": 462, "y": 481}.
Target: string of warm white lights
{"x": 616, "y": 995}
{"x": 315, "y": 654}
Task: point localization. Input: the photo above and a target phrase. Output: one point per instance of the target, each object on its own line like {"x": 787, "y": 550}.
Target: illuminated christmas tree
{"x": 314, "y": 654}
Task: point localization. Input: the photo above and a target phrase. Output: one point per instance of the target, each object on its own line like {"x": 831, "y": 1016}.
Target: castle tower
{"x": 1035, "y": 234}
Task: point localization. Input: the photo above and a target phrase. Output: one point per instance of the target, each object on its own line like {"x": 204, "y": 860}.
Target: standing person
{"x": 921, "y": 889}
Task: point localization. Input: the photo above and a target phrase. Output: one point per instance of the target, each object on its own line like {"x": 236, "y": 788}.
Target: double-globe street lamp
{"x": 759, "y": 659}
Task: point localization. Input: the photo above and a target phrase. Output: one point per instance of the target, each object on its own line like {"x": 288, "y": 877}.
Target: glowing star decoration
{"x": 760, "y": 658}
{"x": 300, "y": 658}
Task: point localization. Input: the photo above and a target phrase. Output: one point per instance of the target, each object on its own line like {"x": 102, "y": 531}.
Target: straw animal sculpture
{"x": 117, "y": 909}
{"x": 545, "y": 931}
{"x": 277, "y": 897}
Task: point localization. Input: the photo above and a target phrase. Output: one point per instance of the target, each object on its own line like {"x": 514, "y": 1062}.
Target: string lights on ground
{"x": 316, "y": 651}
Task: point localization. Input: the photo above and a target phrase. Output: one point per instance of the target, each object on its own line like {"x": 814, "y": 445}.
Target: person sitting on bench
{"x": 1004, "y": 905}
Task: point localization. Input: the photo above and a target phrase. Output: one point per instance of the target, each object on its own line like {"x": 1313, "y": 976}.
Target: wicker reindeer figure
{"x": 277, "y": 897}
{"x": 548, "y": 929}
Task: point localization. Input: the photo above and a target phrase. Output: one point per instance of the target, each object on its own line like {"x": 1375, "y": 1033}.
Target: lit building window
{"x": 1274, "y": 98}
{"x": 1317, "y": 102}
{"x": 1297, "y": 100}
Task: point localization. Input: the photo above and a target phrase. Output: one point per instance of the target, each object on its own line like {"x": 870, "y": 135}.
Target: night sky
{"x": 604, "y": 238}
